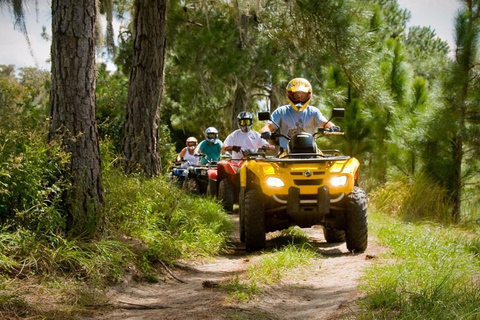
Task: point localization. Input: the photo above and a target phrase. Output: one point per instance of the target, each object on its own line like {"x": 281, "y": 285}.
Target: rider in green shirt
{"x": 211, "y": 146}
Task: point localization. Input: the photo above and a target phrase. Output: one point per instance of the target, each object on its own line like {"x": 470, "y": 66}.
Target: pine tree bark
{"x": 73, "y": 109}
{"x": 140, "y": 147}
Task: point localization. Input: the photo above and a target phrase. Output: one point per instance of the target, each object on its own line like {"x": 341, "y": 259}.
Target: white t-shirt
{"x": 292, "y": 122}
{"x": 192, "y": 160}
{"x": 245, "y": 140}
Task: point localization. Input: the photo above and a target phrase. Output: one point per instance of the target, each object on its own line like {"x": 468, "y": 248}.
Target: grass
{"x": 272, "y": 267}
{"x": 432, "y": 270}
{"x": 168, "y": 222}
{"x": 144, "y": 221}
{"x": 413, "y": 200}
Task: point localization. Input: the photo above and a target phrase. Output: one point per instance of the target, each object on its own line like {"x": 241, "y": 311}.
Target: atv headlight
{"x": 275, "y": 182}
{"x": 339, "y": 181}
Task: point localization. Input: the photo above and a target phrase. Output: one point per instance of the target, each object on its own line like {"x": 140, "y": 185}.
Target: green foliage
{"x": 389, "y": 19}
{"x": 416, "y": 199}
{"x": 28, "y": 252}
{"x": 168, "y": 222}
{"x": 31, "y": 184}
{"x": 111, "y": 95}
{"x": 426, "y": 52}
{"x": 432, "y": 273}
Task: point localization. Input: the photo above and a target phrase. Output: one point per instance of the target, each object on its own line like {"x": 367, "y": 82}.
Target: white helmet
{"x": 245, "y": 121}
{"x": 211, "y": 134}
{"x": 192, "y": 143}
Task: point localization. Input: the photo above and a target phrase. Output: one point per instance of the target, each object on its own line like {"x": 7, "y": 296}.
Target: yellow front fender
{"x": 276, "y": 177}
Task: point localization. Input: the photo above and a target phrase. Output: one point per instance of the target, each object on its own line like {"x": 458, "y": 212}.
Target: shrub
{"x": 419, "y": 198}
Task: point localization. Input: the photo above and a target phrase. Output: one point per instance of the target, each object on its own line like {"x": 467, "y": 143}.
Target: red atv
{"x": 228, "y": 182}
{"x": 228, "y": 179}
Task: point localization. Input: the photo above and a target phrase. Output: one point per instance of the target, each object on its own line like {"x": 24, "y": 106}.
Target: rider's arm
{"x": 181, "y": 154}
{"x": 228, "y": 143}
{"x": 263, "y": 143}
{"x": 327, "y": 125}
{"x": 267, "y": 127}
{"x": 198, "y": 148}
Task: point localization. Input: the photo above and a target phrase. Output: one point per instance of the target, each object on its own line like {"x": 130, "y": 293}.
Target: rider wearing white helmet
{"x": 187, "y": 153}
{"x": 211, "y": 146}
{"x": 244, "y": 137}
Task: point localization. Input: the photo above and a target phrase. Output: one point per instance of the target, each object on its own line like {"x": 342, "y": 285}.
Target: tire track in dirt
{"x": 324, "y": 291}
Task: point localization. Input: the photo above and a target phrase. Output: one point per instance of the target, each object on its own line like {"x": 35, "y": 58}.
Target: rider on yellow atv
{"x": 298, "y": 115}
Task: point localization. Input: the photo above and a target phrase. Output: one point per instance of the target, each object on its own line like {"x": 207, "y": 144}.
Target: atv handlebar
{"x": 277, "y": 134}
{"x": 327, "y": 132}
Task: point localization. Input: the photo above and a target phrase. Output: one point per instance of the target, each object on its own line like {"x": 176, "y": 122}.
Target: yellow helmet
{"x": 299, "y": 85}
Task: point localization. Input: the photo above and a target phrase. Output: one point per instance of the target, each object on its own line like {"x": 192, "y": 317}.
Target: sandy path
{"x": 323, "y": 291}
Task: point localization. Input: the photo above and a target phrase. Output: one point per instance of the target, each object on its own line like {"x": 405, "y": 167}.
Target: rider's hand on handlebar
{"x": 266, "y": 135}
{"x": 334, "y": 129}
{"x": 236, "y": 148}
{"x": 269, "y": 147}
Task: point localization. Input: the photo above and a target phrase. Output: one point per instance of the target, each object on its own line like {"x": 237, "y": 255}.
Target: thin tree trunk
{"x": 238, "y": 105}
{"x": 140, "y": 147}
{"x": 73, "y": 108}
{"x": 457, "y": 177}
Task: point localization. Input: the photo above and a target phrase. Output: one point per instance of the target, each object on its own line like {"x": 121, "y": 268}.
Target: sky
{"x": 13, "y": 45}
{"x": 438, "y": 14}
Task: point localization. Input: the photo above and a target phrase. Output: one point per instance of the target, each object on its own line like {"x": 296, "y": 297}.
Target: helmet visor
{"x": 245, "y": 122}
{"x": 300, "y": 96}
{"x": 211, "y": 136}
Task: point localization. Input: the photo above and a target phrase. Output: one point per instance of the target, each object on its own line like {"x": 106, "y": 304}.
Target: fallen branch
{"x": 171, "y": 274}
{"x": 136, "y": 306}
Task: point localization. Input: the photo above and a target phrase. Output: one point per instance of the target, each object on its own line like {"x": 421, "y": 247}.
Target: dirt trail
{"x": 324, "y": 291}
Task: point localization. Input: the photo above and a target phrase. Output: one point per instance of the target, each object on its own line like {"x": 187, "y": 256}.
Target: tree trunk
{"x": 238, "y": 104}
{"x": 73, "y": 109}
{"x": 457, "y": 177}
{"x": 140, "y": 147}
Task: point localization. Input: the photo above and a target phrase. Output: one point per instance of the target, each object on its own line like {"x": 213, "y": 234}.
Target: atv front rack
{"x": 312, "y": 159}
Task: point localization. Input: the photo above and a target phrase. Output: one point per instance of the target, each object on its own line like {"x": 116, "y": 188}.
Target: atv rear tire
{"x": 254, "y": 220}
{"x": 226, "y": 194}
{"x": 356, "y": 233}
{"x": 333, "y": 235}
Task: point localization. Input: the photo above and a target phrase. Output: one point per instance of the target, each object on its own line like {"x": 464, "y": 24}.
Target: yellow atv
{"x": 302, "y": 186}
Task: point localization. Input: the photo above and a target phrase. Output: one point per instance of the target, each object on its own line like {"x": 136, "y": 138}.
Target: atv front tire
{"x": 226, "y": 194}
{"x": 212, "y": 188}
{"x": 333, "y": 235}
{"x": 254, "y": 220}
{"x": 241, "y": 213}
{"x": 356, "y": 233}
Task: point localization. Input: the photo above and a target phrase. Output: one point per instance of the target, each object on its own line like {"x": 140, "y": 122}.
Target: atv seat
{"x": 302, "y": 142}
